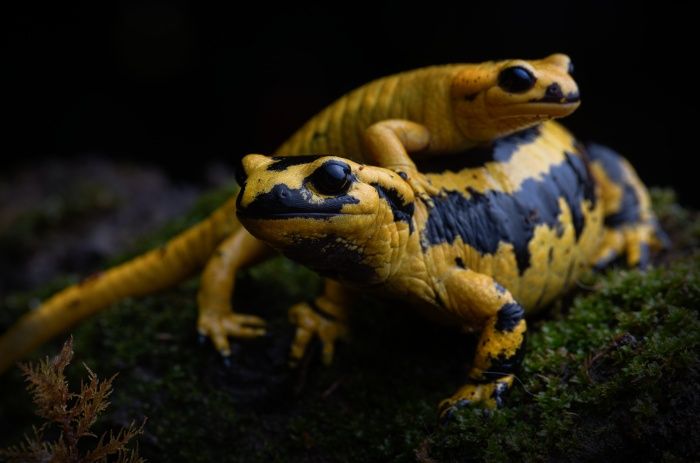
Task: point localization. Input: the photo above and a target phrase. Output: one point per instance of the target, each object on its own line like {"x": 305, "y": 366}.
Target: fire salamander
{"x": 513, "y": 226}
{"x": 496, "y": 209}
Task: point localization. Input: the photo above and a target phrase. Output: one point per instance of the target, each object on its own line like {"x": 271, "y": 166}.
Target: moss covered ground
{"x": 611, "y": 373}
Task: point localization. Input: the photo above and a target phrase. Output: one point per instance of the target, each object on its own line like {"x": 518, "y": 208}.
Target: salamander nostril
{"x": 554, "y": 92}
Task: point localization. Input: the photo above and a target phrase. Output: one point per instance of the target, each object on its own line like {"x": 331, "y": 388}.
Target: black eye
{"x": 571, "y": 68}
{"x": 516, "y": 79}
{"x": 332, "y": 178}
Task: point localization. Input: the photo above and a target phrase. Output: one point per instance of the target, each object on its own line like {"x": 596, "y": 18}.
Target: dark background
{"x": 181, "y": 83}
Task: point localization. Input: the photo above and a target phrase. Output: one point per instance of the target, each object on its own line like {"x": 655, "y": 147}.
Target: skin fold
{"x": 403, "y": 123}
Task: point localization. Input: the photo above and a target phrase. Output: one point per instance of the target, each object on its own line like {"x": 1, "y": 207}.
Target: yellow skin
{"x": 427, "y": 112}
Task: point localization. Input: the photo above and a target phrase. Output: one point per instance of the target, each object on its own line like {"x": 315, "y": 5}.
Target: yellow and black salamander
{"x": 512, "y": 226}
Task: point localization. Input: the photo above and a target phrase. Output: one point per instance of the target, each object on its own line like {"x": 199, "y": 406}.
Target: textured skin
{"x": 513, "y": 226}
{"x": 426, "y": 112}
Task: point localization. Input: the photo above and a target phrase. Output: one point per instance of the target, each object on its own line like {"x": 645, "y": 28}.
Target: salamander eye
{"x": 332, "y": 178}
{"x": 516, "y": 79}
{"x": 570, "y": 70}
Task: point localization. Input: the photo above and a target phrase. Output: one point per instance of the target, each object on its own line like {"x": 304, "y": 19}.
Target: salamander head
{"x": 497, "y": 98}
{"x": 342, "y": 219}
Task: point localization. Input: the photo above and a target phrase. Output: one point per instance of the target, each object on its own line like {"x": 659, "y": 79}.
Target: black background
{"x": 184, "y": 83}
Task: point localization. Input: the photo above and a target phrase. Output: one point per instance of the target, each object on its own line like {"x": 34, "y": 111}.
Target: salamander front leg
{"x": 388, "y": 143}
{"x": 499, "y": 352}
{"x": 216, "y": 317}
{"x": 325, "y": 317}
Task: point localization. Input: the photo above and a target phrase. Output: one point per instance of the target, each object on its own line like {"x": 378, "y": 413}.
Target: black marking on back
{"x": 280, "y": 163}
{"x": 630, "y": 210}
{"x": 582, "y": 188}
{"x": 484, "y": 220}
{"x": 283, "y": 202}
{"x": 610, "y": 161}
{"x": 401, "y": 210}
{"x": 500, "y": 150}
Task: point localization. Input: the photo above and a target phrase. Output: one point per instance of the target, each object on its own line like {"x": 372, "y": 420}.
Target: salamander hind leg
{"x": 478, "y": 299}
{"x": 631, "y": 229}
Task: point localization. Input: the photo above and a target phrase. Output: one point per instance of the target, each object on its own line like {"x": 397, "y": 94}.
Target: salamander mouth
{"x": 558, "y": 98}
{"x": 282, "y": 202}
{"x": 537, "y": 108}
{"x": 244, "y": 214}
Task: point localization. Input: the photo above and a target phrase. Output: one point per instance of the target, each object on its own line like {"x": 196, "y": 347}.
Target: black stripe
{"x": 630, "y": 210}
{"x": 484, "y": 220}
{"x": 509, "y": 316}
{"x": 610, "y": 161}
{"x": 400, "y": 210}
{"x": 501, "y": 150}
{"x": 281, "y": 163}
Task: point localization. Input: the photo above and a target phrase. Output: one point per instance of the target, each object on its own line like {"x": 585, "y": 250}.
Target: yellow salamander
{"x": 439, "y": 114}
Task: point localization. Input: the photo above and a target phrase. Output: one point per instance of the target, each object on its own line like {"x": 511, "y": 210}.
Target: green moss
{"x": 610, "y": 374}
{"x": 615, "y": 378}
